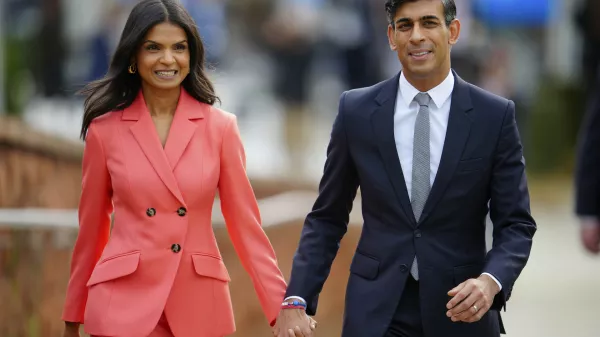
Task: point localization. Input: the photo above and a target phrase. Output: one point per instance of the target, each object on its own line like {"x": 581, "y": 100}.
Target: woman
{"x": 156, "y": 153}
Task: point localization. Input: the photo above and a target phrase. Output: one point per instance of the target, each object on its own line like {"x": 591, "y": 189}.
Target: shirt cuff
{"x": 495, "y": 279}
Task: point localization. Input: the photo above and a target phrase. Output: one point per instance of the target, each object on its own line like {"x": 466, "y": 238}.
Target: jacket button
{"x": 417, "y": 234}
{"x": 181, "y": 211}
{"x": 404, "y": 268}
{"x": 150, "y": 212}
{"x": 175, "y": 248}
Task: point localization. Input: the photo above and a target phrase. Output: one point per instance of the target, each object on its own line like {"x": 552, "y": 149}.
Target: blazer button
{"x": 417, "y": 234}
{"x": 175, "y": 248}
{"x": 150, "y": 212}
{"x": 181, "y": 211}
{"x": 404, "y": 268}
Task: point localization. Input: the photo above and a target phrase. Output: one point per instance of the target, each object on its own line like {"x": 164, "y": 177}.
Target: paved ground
{"x": 558, "y": 294}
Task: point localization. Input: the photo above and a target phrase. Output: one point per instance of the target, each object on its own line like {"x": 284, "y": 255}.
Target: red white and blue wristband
{"x": 293, "y": 305}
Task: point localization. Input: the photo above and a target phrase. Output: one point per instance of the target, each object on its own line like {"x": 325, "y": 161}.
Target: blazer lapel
{"x": 382, "y": 122}
{"x": 183, "y": 128}
{"x": 145, "y": 134}
{"x": 459, "y": 126}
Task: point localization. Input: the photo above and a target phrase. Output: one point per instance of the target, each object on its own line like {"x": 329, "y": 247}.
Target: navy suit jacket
{"x": 587, "y": 177}
{"x": 482, "y": 166}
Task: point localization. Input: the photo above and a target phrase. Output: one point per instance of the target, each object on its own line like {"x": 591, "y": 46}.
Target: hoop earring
{"x": 132, "y": 68}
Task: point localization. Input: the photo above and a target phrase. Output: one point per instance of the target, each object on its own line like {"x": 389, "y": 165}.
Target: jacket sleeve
{"x": 95, "y": 208}
{"x": 510, "y": 213}
{"x": 242, "y": 218}
{"x": 327, "y": 223}
{"x": 587, "y": 176}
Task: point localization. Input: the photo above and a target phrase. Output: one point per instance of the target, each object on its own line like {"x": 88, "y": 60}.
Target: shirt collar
{"x": 438, "y": 95}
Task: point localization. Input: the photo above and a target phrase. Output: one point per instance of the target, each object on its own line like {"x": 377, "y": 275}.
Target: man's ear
{"x": 454, "y": 29}
{"x": 391, "y": 31}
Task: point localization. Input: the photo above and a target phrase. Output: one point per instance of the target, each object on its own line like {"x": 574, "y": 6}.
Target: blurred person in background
{"x": 587, "y": 19}
{"x": 432, "y": 154}
{"x": 51, "y": 67}
{"x": 351, "y": 30}
{"x": 156, "y": 153}
{"x": 587, "y": 176}
{"x": 291, "y": 32}
{"x": 210, "y": 17}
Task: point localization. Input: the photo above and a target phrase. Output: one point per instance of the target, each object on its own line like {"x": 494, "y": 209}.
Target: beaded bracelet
{"x": 293, "y": 305}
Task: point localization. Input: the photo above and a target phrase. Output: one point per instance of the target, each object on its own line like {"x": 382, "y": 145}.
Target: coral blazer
{"x": 161, "y": 254}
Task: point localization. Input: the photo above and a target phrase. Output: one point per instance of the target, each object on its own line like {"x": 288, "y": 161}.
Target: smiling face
{"x": 422, "y": 40}
{"x": 163, "y": 59}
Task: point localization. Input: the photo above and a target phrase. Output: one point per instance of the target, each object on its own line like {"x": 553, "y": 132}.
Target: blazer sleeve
{"x": 242, "y": 218}
{"x": 587, "y": 176}
{"x": 510, "y": 213}
{"x": 95, "y": 208}
{"x": 327, "y": 223}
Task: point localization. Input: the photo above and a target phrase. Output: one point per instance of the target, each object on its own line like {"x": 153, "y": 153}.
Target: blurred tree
{"x": 16, "y": 75}
{"x": 554, "y": 122}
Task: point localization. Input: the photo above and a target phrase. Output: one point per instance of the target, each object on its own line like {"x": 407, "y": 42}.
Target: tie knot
{"x": 423, "y": 98}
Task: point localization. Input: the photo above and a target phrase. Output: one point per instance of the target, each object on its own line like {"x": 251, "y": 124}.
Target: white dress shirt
{"x": 405, "y": 117}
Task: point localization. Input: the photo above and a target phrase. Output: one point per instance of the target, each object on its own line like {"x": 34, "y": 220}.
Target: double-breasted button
{"x": 150, "y": 212}
{"x": 181, "y": 211}
{"x": 175, "y": 248}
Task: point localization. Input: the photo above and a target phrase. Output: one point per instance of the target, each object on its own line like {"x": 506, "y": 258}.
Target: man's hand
{"x": 472, "y": 299}
{"x": 590, "y": 235}
{"x": 294, "y": 323}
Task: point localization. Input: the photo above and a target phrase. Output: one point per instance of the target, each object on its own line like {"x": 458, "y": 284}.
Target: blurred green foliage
{"x": 553, "y": 125}
{"x": 16, "y": 60}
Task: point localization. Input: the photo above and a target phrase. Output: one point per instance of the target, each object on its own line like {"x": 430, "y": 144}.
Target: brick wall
{"x": 37, "y": 170}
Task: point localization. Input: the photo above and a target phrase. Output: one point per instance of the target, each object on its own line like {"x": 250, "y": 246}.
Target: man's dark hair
{"x": 391, "y": 7}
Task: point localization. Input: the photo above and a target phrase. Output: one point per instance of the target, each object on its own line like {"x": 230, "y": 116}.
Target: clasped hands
{"x": 294, "y": 323}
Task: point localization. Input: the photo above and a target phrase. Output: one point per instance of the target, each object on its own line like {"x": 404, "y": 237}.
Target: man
{"x": 430, "y": 152}
{"x": 587, "y": 179}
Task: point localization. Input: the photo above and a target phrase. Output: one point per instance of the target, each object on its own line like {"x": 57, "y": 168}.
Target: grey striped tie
{"x": 420, "y": 165}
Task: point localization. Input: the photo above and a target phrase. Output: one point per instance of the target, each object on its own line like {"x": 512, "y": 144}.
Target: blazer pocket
{"x": 210, "y": 266}
{"x": 115, "y": 267}
{"x": 468, "y": 165}
{"x": 463, "y": 273}
{"x": 364, "y": 266}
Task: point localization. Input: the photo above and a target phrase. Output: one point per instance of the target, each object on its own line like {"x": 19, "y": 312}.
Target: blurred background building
{"x": 281, "y": 65}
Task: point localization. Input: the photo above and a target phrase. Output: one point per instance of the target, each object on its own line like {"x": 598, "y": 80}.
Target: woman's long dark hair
{"x": 119, "y": 88}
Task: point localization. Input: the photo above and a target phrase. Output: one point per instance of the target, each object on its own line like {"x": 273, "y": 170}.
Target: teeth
{"x": 421, "y": 54}
{"x": 166, "y": 73}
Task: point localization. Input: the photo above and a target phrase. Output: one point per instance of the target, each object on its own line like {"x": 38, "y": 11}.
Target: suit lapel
{"x": 457, "y": 134}
{"x": 183, "y": 128}
{"x": 145, "y": 134}
{"x": 382, "y": 122}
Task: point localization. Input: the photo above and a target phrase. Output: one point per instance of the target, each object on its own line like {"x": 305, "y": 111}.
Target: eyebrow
{"x": 423, "y": 18}
{"x": 150, "y": 41}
